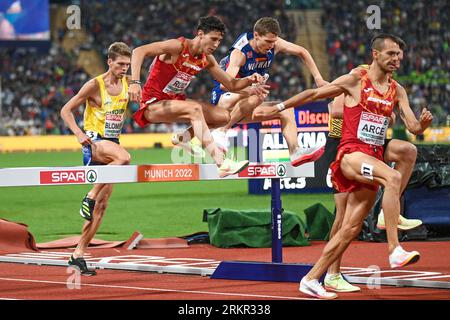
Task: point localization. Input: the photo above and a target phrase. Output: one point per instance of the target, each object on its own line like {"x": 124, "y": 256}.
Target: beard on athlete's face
{"x": 389, "y": 57}
{"x": 387, "y": 61}
{"x": 390, "y": 63}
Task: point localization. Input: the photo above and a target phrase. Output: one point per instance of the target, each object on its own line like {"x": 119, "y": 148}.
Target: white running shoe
{"x": 400, "y": 258}
{"x": 304, "y": 155}
{"x": 221, "y": 140}
{"x": 193, "y": 148}
{"x": 230, "y": 167}
{"x": 314, "y": 288}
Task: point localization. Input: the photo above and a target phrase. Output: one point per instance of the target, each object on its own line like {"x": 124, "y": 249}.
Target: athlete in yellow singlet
{"x": 106, "y": 99}
{"x": 107, "y": 121}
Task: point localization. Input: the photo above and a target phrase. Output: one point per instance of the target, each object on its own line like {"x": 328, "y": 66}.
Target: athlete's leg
{"x": 352, "y": 166}
{"x": 106, "y": 152}
{"x": 297, "y": 155}
{"x": 340, "y": 199}
{"x": 90, "y": 227}
{"x": 186, "y": 111}
{"x": 362, "y": 168}
{"x": 289, "y": 129}
{"x": 404, "y": 154}
{"x": 238, "y": 106}
{"x": 215, "y": 117}
{"x": 244, "y": 107}
{"x": 358, "y": 204}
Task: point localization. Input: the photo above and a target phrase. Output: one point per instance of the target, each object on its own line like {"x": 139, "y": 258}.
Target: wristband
{"x": 281, "y": 106}
{"x": 135, "y": 81}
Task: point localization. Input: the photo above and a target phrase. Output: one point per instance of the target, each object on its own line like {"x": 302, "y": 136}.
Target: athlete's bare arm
{"x": 347, "y": 84}
{"x": 230, "y": 83}
{"x": 337, "y": 105}
{"x": 88, "y": 90}
{"x": 283, "y": 46}
{"x": 170, "y": 49}
{"x": 412, "y": 124}
{"x": 237, "y": 60}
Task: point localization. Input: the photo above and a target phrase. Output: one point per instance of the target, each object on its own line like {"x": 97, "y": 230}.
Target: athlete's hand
{"x": 321, "y": 83}
{"x": 425, "y": 119}
{"x": 134, "y": 92}
{"x": 268, "y": 110}
{"x": 260, "y": 90}
{"x": 83, "y": 139}
{"x": 256, "y": 78}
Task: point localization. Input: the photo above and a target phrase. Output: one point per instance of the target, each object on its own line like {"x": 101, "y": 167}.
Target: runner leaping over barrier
{"x": 264, "y": 271}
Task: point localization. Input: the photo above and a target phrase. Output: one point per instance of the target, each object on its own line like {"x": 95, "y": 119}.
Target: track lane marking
{"x": 161, "y": 289}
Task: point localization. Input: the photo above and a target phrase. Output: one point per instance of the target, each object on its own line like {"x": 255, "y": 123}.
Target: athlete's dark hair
{"x": 267, "y": 25}
{"x": 118, "y": 49}
{"x": 211, "y": 23}
{"x": 377, "y": 41}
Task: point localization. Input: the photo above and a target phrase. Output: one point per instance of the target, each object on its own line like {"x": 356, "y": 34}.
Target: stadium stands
{"x": 35, "y": 85}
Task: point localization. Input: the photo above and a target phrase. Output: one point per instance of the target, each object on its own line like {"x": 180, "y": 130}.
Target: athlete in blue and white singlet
{"x": 254, "y": 62}
{"x": 254, "y": 52}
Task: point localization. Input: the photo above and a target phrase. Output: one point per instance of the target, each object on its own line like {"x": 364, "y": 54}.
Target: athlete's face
{"x": 266, "y": 42}
{"x": 210, "y": 41}
{"x": 119, "y": 66}
{"x": 389, "y": 57}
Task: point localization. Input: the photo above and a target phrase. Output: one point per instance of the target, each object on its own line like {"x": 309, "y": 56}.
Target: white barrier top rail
{"x": 37, "y": 176}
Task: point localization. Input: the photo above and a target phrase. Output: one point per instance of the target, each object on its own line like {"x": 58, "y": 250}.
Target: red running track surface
{"x": 18, "y": 281}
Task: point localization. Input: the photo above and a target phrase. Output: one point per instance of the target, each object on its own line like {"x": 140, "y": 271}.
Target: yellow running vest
{"x": 108, "y": 119}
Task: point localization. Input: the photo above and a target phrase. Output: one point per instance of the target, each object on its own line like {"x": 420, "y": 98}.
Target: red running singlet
{"x": 169, "y": 81}
{"x": 364, "y": 129}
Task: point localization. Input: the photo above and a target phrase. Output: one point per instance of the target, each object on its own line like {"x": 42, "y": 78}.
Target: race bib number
{"x": 372, "y": 128}
{"x": 92, "y": 134}
{"x": 113, "y": 124}
{"x": 179, "y": 83}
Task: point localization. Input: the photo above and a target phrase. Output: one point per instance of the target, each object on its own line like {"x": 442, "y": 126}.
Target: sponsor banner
{"x": 269, "y": 145}
{"x": 263, "y": 170}
{"x": 157, "y": 172}
{"x": 68, "y": 176}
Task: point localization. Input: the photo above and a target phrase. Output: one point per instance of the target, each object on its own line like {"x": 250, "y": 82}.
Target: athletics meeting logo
{"x": 68, "y": 176}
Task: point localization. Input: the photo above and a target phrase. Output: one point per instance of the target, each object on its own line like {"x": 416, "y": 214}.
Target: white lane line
{"x": 432, "y": 277}
{"x": 161, "y": 289}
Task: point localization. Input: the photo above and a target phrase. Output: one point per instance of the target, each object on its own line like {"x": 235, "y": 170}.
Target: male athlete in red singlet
{"x": 176, "y": 63}
{"x": 359, "y": 168}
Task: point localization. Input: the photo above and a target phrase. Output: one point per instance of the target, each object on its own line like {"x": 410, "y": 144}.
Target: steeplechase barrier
{"x": 275, "y": 270}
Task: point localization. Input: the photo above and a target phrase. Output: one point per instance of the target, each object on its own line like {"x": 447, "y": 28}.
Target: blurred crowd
{"x": 35, "y": 85}
{"x": 34, "y": 88}
{"x": 423, "y": 25}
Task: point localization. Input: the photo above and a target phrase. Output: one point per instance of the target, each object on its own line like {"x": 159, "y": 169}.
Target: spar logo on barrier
{"x": 91, "y": 176}
{"x": 68, "y": 176}
{"x": 159, "y": 172}
{"x": 263, "y": 170}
